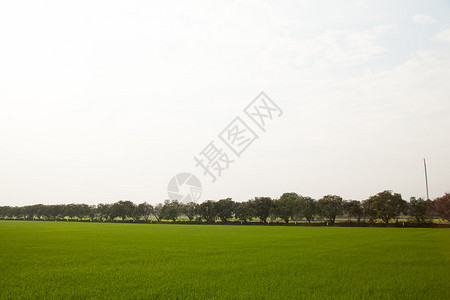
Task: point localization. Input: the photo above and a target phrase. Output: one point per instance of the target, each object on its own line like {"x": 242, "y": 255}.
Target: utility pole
{"x": 426, "y": 177}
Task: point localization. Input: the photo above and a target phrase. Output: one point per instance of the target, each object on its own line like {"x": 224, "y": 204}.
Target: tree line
{"x": 384, "y": 206}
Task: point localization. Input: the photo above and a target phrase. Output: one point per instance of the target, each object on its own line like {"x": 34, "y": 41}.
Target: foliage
{"x": 170, "y": 211}
{"x": 307, "y": 208}
{"x": 354, "y": 209}
{"x": 419, "y": 208}
{"x": 225, "y": 209}
{"x": 290, "y": 206}
{"x": 207, "y": 210}
{"x": 388, "y": 205}
{"x": 144, "y": 211}
{"x": 262, "y": 206}
{"x": 286, "y": 207}
{"x": 244, "y": 211}
{"x": 442, "y": 207}
{"x": 330, "y": 206}
{"x": 190, "y": 210}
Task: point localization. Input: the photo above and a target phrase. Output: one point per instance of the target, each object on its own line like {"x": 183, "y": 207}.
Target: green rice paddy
{"x": 70, "y": 260}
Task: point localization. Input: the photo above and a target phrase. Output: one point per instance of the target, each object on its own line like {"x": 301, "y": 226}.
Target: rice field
{"x": 49, "y": 260}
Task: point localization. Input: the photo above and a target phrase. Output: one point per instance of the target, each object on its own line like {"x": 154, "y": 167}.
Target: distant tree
{"x": 370, "y": 210}
{"x": 190, "y": 210}
{"x": 207, "y": 210}
{"x": 104, "y": 211}
{"x": 85, "y": 211}
{"x": 388, "y": 205}
{"x": 286, "y": 207}
{"x": 70, "y": 211}
{"x": 442, "y": 207}
{"x": 41, "y": 211}
{"x": 354, "y": 209}
{"x": 244, "y": 211}
{"x": 144, "y": 211}
{"x": 54, "y": 211}
{"x": 31, "y": 211}
{"x": 224, "y": 209}
{"x": 307, "y": 208}
{"x": 122, "y": 209}
{"x": 157, "y": 211}
{"x": 418, "y": 208}
{"x": 330, "y": 206}
{"x": 5, "y": 212}
{"x": 263, "y": 207}
{"x": 171, "y": 210}
{"x": 92, "y": 212}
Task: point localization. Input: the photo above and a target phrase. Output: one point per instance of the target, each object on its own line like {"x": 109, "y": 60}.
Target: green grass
{"x": 138, "y": 261}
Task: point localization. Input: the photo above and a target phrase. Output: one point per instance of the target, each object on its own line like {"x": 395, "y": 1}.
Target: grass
{"x": 138, "y": 261}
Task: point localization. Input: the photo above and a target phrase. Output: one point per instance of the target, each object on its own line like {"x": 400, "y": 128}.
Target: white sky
{"x": 103, "y": 101}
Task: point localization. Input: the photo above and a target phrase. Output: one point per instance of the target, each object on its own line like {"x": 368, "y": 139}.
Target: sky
{"x": 102, "y": 101}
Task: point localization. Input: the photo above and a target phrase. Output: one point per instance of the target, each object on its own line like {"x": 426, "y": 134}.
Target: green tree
{"x": 244, "y": 211}
{"x": 370, "y": 210}
{"x": 418, "y": 208}
{"x": 190, "y": 210}
{"x": 144, "y": 211}
{"x": 122, "y": 209}
{"x": 157, "y": 211}
{"x": 330, "y": 206}
{"x": 224, "y": 209}
{"x": 171, "y": 210}
{"x": 354, "y": 209}
{"x": 263, "y": 207}
{"x": 388, "y": 205}
{"x": 207, "y": 210}
{"x": 70, "y": 210}
{"x": 307, "y": 208}
{"x": 103, "y": 211}
{"x": 286, "y": 207}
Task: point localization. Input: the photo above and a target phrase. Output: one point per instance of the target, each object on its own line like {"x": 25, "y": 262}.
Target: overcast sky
{"x": 103, "y": 101}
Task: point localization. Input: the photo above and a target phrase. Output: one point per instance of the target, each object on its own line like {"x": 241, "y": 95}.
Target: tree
{"x": 122, "y": 209}
{"x": 286, "y": 207}
{"x": 442, "y": 207}
{"x": 104, "y": 211}
{"x": 330, "y": 206}
{"x": 418, "y": 208}
{"x": 53, "y": 211}
{"x": 369, "y": 210}
{"x": 92, "y": 212}
{"x": 31, "y": 211}
{"x": 262, "y": 206}
{"x": 207, "y": 210}
{"x": 307, "y": 208}
{"x": 7, "y": 212}
{"x": 157, "y": 211}
{"x": 354, "y": 209}
{"x": 70, "y": 210}
{"x": 224, "y": 209}
{"x": 244, "y": 211}
{"x": 190, "y": 210}
{"x": 84, "y": 210}
{"x": 144, "y": 210}
{"x": 388, "y": 205}
{"x": 170, "y": 210}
